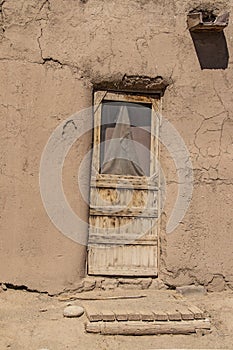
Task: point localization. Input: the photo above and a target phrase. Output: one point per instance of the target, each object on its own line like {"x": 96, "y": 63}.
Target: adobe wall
{"x": 53, "y": 53}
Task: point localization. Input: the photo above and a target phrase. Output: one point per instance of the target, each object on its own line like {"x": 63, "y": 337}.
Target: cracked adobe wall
{"x": 52, "y": 52}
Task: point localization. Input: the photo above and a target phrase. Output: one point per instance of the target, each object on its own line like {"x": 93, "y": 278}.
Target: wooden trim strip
{"x": 94, "y": 240}
{"x": 123, "y": 211}
{"x": 111, "y": 96}
{"x": 122, "y": 185}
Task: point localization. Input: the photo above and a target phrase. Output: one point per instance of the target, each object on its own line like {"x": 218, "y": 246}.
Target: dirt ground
{"x": 35, "y": 321}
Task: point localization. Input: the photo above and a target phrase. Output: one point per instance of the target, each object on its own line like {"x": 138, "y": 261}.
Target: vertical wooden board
{"x": 150, "y": 230}
{"x": 97, "y": 125}
{"x": 126, "y": 197}
{"x": 152, "y": 199}
{"x": 153, "y": 145}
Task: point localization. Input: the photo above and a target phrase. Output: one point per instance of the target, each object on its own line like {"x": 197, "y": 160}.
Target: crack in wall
{"x": 56, "y": 63}
{"x": 46, "y": 2}
{"x": 6, "y": 286}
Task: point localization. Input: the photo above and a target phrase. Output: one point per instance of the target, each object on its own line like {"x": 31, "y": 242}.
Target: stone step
{"x": 158, "y": 312}
{"x": 95, "y": 313}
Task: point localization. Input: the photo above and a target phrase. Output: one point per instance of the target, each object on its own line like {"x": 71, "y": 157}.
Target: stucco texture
{"x": 53, "y": 53}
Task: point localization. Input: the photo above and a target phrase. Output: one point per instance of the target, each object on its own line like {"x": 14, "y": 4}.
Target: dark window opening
{"x": 125, "y": 138}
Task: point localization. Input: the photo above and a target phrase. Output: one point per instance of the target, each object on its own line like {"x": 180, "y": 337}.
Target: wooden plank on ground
{"x": 198, "y": 314}
{"x": 146, "y": 315}
{"x": 186, "y": 314}
{"x": 108, "y": 315}
{"x": 174, "y": 315}
{"x": 160, "y": 316}
{"x": 93, "y": 327}
{"x": 93, "y": 314}
{"x": 121, "y": 315}
{"x": 147, "y": 328}
{"x": 134, "y": 316}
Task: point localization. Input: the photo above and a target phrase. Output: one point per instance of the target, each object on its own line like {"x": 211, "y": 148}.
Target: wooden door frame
{"x": 156, "y": 106}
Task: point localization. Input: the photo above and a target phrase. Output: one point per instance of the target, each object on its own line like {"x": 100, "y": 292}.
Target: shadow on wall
{"x": 211, "y": 49}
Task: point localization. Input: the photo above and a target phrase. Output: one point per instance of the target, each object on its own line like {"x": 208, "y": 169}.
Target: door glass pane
{"x": 125, "y": 138}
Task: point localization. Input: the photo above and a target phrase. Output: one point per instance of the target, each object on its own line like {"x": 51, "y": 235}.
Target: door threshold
{"x": 123, "y": 282}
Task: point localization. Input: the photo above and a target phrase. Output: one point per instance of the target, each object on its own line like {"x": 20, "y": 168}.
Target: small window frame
{"x": 155, "y": 104}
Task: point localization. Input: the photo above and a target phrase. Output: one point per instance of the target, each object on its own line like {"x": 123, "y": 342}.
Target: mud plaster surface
{"x": 52, "y": 55}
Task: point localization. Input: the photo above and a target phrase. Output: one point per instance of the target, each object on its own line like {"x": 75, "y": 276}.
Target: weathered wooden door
{"x": 124, "y": 201}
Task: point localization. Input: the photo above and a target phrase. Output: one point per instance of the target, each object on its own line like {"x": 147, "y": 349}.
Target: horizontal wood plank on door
{"x": 125, "y": 197}
{"x": 122, "y": 211}
{"x": 131, "y": 182}
{"x": 113, "y": 241}
{"x": 129, "y": 185}
{"x": 143, "y": 272}
{"x": 120, "y": 239}
{"x": 118, "y": 230}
